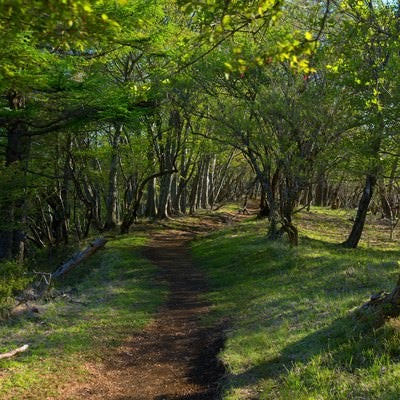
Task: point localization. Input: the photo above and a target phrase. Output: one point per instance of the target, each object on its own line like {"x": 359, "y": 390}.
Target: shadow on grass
{"x": 110, "y": 295}
{"x": 324, "y": 271}
{"x": 351, "y": 343}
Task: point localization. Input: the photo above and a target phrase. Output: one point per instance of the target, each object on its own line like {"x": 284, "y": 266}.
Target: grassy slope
{"x": 117, "y": 300}
{"x": 291, "y": 334}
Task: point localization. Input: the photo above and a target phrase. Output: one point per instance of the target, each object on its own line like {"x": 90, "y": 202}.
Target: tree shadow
{"x": 352, "y": 343}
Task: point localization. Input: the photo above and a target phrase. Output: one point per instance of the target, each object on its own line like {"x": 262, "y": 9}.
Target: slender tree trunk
{"x": 222, "y": 178}
{"x": 174, "y": 198}
{"x": 64, "y": 191}
{"x": 167, "y": 149}
{"x": 358, "y": 226}
{"x": 205, "y": 185}
{"x": 58, "y": 222}
{"x": 112, "y": 193}
{"x": 321, "y": 191}
{"x": 386, "y": 192}
{"x": 194, "y": 194}
{"x": 183, "y": 181}
{"x": 163, "y": 199}
{"x": 264, "y": 208}
{"x": 151, "y": 210}
{"x": 213, "y": 164}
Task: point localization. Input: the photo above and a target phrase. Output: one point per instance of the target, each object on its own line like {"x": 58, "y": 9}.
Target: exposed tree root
{"x": 381, "y": 306}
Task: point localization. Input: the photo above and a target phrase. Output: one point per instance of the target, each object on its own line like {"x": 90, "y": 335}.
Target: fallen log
{"x": 14, "y": 352}
{"x": 78, "y": 258}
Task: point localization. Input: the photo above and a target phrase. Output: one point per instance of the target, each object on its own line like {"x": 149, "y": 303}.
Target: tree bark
{"x": 165, "y": 192}
{"x": 321, "y": 192}
{"x": 222, "y": 178}
{"x": 205, "y": 185}
{"x": 359, "y": 222}
{"x": 151, "y": 209}
{"x": 132, "y": 211}
{"x": 174, "y": 199}
{"x": 112, "y": 193}
{"x": 12, "y": 235}
{"x": 193, "y": 193}
{"x": 78, "y": 258}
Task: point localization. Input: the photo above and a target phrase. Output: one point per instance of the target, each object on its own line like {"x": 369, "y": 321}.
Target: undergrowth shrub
{"x": 12, "y": 280}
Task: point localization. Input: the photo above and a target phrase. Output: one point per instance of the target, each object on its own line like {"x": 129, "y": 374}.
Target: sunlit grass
{"x": 291, "y": 333}
{"x": 113, "y": 297}
{"x": 334, "y": 226}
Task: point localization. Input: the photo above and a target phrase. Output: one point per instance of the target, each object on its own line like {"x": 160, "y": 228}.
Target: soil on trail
{"x": 175, "y": 358}
{"x": 185, "y": 352}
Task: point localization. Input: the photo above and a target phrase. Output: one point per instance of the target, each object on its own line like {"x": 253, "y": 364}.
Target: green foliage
{"x": 254, "y": 22}
{"x": 228, "y": 16}
{"x": 290, "y": 330}
{"x": 12, "y": 280}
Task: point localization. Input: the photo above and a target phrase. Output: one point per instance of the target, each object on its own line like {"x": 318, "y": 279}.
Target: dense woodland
{"x": 115, "y": 111}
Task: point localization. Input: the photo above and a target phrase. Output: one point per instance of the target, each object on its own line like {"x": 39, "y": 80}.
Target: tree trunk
{"x": 193, "y": 194}
{"x": 134, "y": 205}
{"x": 264, "y": 208}
{"x": 184, "y": 176}
{"x": 78, "y": 258}
{"x": 321, "y": 192}
{"x": 112, "y": 194}
{"x": 205, "y": 185}
{"x": 268, "y": 186}
{"x": 290, "y": 189}
{"x": 174, "y": 198}
{"x": 58, "y": 222}
{"x": 12, "y": 235}
{"x": 358, "y": 225}
{"x": 222, "y": 179}
{"x": 151, "y": 210}
{"x": 213, "y": 163}
{"x": 163, "y": 199}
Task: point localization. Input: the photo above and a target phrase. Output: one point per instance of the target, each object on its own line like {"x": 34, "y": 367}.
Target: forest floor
{"x": 175, "y": 357}
{"x": 159, "y": 312}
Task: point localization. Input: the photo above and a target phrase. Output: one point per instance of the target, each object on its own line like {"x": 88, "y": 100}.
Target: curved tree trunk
{"x": 365, "y": 200}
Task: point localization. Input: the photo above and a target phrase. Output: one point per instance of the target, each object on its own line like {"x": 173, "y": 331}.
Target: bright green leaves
{"x": 261, "y": 25}
{"x": 38, "y": 32}
{"x": 66, "y": 23}
{"x": 219, "y": 19}
{"x": 212, "y": 10}
{"x": 292, "y": 48}
{"x": 297, "y": 48}
{"x": 369, "y": 48}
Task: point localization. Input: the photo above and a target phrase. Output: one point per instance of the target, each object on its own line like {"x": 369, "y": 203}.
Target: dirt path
{"x": 175, "y": 358}
{"x": 186, "y": 367}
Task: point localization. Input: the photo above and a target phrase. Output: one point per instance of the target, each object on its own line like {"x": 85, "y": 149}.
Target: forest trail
{"x": 175, "y": 358}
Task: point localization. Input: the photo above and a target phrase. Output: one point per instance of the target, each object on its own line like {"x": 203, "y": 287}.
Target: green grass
{"x": 115, "y": 300}
{"x": 291, "y": 333}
